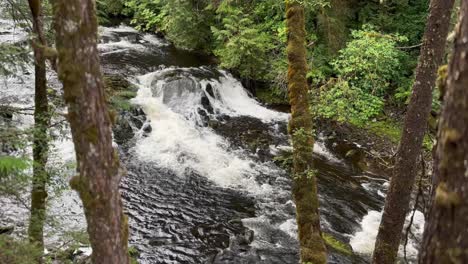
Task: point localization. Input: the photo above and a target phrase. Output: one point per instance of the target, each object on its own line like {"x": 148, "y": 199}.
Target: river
{"x": 202, "y": 183}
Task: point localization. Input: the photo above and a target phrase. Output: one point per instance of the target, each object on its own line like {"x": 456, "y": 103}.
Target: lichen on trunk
{"x": 40, "y": 133}
{"x": 414, "y": 129}
{"x": 312, "y": 247}
{"x": 446, "y": 236}
{"x": 90, "y": 121}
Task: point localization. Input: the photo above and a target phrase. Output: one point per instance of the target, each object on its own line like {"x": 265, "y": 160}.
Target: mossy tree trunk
{"x": 414, "y": 129}
{"x": 312, "y": 247}
{"x": 41, "y": 123}
{"x": 446, "y": 234}
{"x": 90, "y": 122}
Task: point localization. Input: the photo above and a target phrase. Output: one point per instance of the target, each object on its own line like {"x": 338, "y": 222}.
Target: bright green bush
{"x": 368, "y": 68}
{"x": 341, "y": 101}
{"x": 370, "y": 61}
{"x": 14, "y": 178}
{"x": 13, "y": 251}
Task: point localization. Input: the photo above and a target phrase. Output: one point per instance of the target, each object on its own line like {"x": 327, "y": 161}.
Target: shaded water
{"x": 202, "y": 186}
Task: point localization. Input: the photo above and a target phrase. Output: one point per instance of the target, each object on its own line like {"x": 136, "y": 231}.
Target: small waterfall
{"x": 178, "y": 108}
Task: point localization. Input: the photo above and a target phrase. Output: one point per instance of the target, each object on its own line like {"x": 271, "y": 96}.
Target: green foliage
{"x": 134, "y": 254}
{"x": 386, "y": 128}
{"x": 407, "y": 18}
{"x": 146, "y": 15}
{"x": 284, "y": 160}
{"x": 370, "y": 61}
{"x": 343, "y": 102}
{"x": 273, "y": 95}
{"x": 110, "y": 7}
{"x": 241, "y": 45}
{"x": 119, "y": 91}
{"x": 367, "y": 68}
{"x": 185, "y": 23}
{"x": 313, "y": 4}
{"x": 14, "y": 251}
{"x": 107, "y": 8}
{"x": 13, "y": 58}
{"x": 14, "y": 178}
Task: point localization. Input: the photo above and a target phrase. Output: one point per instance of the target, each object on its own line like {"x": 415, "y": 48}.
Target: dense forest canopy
{"x": 359, "y": 51}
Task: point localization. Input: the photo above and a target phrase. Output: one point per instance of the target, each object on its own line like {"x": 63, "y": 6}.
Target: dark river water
{"x": 203, "y": 185}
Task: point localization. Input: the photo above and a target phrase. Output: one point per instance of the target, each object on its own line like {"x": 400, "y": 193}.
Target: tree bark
{"x": 41, "y": 123}
{"x": 405, "y": 170}
{"x": 312, "y": 247}
{"x": 90, "y": 122}
{"x": 446, "y": 236}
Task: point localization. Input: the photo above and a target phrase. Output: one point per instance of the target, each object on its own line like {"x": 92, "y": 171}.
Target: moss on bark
{"x": 312, "y": 247}
{"x": 446, "y": 236}
{"x": 414, "y": 129}
{"x": 40, "y": 141}
{"x": 90, "y": 122}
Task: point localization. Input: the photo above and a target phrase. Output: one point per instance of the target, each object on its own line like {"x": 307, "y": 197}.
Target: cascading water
{"x": 202, "y": 186}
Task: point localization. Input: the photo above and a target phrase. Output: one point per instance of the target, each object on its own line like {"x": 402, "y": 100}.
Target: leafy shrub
{"x": 240, "y": 44}
{"x": 367, "y": 67}
{"x": 370, "y": 61}
{"x": 344, "y": 102}
{"x": 14, "y": 251}
{"x": 13, "y": 175}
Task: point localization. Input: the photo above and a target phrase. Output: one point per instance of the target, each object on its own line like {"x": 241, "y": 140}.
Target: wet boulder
{"x": 123, "y": 130}
{"x": 147, "y": 128}
{"x": 176, "y": 89}
{"x": 6, "y": 230}
{"x": 209, "y": 90}
{"x": 205, "y": 102}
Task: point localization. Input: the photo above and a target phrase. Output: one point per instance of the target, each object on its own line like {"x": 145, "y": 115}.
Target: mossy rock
{"x": 134, "y": 254}
{"x": 336, "y": 245}
{"x": 119, "y": 91}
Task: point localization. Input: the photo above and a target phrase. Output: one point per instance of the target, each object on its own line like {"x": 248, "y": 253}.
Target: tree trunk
{"x": 405, "y": 170}
{"x": 41, "y": 123}
{"x": 446, "y": 236}
{"x": 312, "y": 248}
{"x": 90, "y": 122}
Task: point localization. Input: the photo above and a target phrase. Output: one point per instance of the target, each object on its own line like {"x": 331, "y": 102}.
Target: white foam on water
{"x": 234, "y": 100}
{"x": 363, "y": 241}
{"x": 119, "y": 46}
{"x": 87, "y": 251}
{"x": 289, "y": 227}
{"x": 156, "y": 41}
{"x": 110, "y": 30}
{"x": 178, "y": 144}
{"x": 62, "y": 151}
{"x": 321, "y": 149}
{"x": 11, "y": 33}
